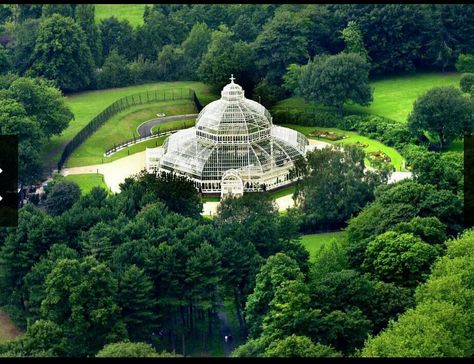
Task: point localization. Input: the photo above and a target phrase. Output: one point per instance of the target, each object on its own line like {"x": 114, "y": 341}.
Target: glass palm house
{"x": 233, "y": 148}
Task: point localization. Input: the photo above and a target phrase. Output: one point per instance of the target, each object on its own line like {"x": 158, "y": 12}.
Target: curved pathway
{"x": 144, "y": 129}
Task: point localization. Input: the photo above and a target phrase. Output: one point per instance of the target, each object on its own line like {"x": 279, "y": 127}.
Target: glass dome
{"x": 234, "y": 133}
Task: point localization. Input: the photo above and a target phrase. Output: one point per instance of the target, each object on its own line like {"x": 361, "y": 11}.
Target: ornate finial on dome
{"x": 232, "y": 78}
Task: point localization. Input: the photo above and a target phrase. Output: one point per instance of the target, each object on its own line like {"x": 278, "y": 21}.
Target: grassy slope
{"x": 122, "y": 127}
{"x": 173, "y": 125}
{"x": 87, "y": 181}
{"x": 313, "y": 242}
{"x": 132, "y": 12}
{"x": 393, "y": 96}
{"x": 86, "y": 105}
{"x": 353, "y": 137}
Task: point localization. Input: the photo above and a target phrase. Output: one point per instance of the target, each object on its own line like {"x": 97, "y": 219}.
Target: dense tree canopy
{"x": 61, "y": 53}
{"x": 444, "y": 113}
{"x": 335, "y": 80}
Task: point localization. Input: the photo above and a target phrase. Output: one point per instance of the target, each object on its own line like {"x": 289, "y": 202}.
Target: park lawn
{"x": 173, "y": 125}
{"x": 373, "y": 145}
{"x": 393, "y": 96}
{"x": 313, "y": 242}
{"x": 86, "y": 105}
{"x": 131, "y": 12}
{"x": 136, "y": 148}
{"x": 283, "y": 192}
{"x": 122, "y": 127}
{"x": 88, "y": 181}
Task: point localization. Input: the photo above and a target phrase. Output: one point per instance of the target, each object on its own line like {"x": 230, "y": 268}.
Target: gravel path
{"x": 144, "y": 129}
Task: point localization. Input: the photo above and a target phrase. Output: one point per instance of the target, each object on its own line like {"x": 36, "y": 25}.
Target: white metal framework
{"x": 234, "y": 133}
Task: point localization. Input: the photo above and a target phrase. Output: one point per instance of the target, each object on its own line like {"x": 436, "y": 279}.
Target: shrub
{"x": 465, "y": 63}
{"x": 467, "y": 83}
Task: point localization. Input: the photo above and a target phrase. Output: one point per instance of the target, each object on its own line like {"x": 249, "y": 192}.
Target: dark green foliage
{"x": 277, "y": 269}
{"x": 115, "y": 72}
{"x": 61, "y": 54}
{"x": 429, "y": 229}
{"x": 42, "y": 101}
{"x": 116, "y": 34}
{"x": 444, "y": 112}
{"x": 170, "y": 63}
{"x": 465, "y": 63}
{"x": 467, "y": 83}
{"x": 85, "y": 17}
{"x": 324, "y": 202}
{"x": 137, "y": 303}
{"x": 23, "y": 44}
{"x": 282, "y": 41}
{"x": 62, "y": 196}
{"x": 267, "y": 94}
{"x": 177, "y": 192}
{"x": 195, "y": 47}
{"x": 403, "y": 259}
{"x": 335, "y": 80}
{"x": 439, "y": 324}
{"x": 61, "y": 9}
{"x": 224, "y": 57}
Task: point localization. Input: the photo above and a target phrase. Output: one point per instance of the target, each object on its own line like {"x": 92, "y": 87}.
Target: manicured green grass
{"x": 393, "y": 96}
{"x": 173, "y": 125}
{"x": 87, "y": 181}
{"x": 210, "y": 199}
{"x": 313, "y": 242}
{"x": 131, "y": 12}
{"x": 122, "y": 127}
{"x": 283, "y": 192}
{"x": 373, "y": 145}
{"x": 86, "y": 105}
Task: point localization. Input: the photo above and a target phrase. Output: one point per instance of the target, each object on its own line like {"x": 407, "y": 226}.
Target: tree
{"x": 403, "y": 259}
{"x": 444, "y": 112}
{"x": 439, "y": 324}
{"x": 115, "y": 71}
{"x": 335, "y": 188}
{"x": 225, "y": 57}
{"x": 291, "y": 78}
{"x": 467, "y": 83}
{"x": 66, "y": 10}
{"x": 44, "y": 102}
{"x": 465, "y": 63}
{"x": 170, "y": 63}
{"x": 137, "y": 303}
{"x": 23, "y": 44}
{"x": 62, "y": 54}
{"x": 335, "y": 80}
{"x": 127, "y": 349}
{"x": 195, "y": 47}
{"x": 277, "y": 269}
{"x": 61, "y": 198}
{"x": 4, "y": 61}
{"x": 353, "y": 38}
{"x": 429, "y": 229}
{"x": 85, "y": 17}
{"x": 81, "y": 299}
{"x": 116, "y": 34}
{"x": 300, "y": 347}
{"x": 282, "y": 41}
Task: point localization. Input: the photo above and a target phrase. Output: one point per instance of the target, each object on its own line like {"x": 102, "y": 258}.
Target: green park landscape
{"x": 358, "y": 267}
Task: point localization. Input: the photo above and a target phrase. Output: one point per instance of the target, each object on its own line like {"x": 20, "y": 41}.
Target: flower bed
{"x": 329, "y": 135}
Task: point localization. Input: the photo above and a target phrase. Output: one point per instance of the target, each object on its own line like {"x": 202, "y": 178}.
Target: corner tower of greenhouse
{"x": 233, "y": 148}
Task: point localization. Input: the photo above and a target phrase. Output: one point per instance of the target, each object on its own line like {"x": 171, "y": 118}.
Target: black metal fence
{"x": 120, "y": 105}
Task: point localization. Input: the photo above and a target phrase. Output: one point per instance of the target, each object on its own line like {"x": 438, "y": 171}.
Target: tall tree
{"x": 195, "y": 46}
{"x": 444, "y": 112}
{"x": 282, "y": 41}
{"x": 117, "y": 34}
{"x": 61, "y": 54}
{"x": 354, "y": 39}
{"x": 137, "y": 303}
{"x": 335, "y": 80}
{"x": 224, "y": 57}
{"x": 85, "y": 17}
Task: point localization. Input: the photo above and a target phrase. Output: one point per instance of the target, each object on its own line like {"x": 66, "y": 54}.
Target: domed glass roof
{"x": 233, "y": 118}
{"x": 234, "y": 133}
